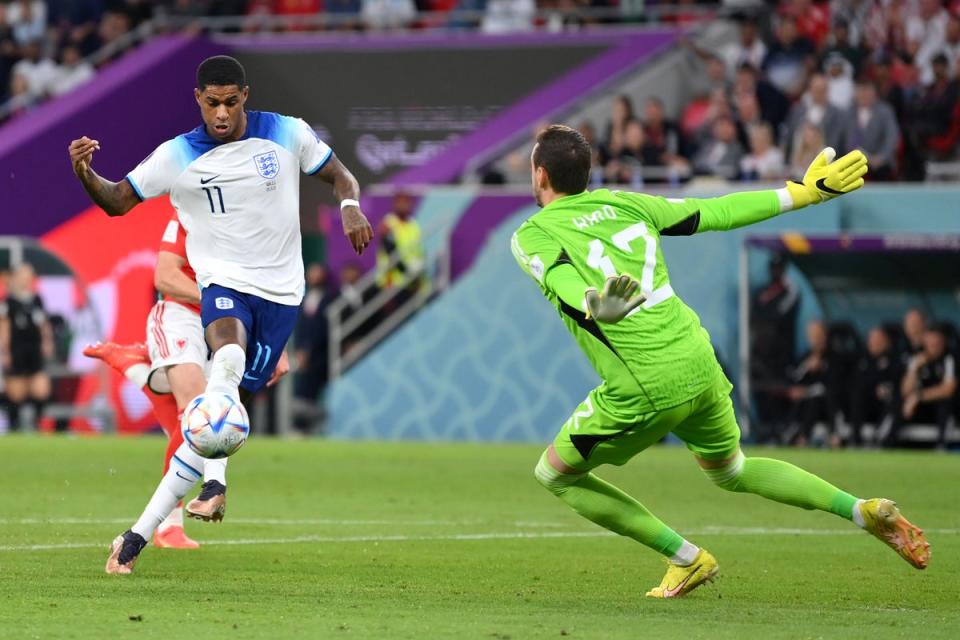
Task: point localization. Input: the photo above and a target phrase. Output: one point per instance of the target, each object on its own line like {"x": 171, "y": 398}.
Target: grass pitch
{"x": 368, "y": 540}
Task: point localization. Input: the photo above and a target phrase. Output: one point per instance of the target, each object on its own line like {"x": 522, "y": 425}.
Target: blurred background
{"x": 829, "y": 321}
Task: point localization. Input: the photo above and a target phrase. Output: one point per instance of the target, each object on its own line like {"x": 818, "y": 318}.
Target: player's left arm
{"x": 346, "y": 188}
{"x": 825, "y": 179}
{"x": 4, "y": 337}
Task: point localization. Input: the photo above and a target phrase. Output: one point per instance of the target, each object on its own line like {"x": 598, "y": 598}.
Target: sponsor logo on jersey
{"x": 224, "y": 303}
{"x": 268, "y": 165}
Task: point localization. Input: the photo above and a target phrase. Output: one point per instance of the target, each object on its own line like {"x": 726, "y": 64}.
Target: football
{"x": 215, "y": 425}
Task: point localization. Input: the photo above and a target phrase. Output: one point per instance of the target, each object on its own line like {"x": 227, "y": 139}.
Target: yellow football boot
{"x": 680, "y": 581}
{"x": 883, "y": 519}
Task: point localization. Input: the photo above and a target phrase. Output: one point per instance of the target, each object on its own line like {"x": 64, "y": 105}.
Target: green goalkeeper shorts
{"x": 601, "y": 431}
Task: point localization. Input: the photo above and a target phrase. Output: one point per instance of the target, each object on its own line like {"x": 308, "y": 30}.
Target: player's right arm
{"x": 115, "y": 198}
{"x": 172, "y": 282}
{"x": 545, "y": 261}
{"x": 4, "y": 336}
{"x": 825, "y": 179}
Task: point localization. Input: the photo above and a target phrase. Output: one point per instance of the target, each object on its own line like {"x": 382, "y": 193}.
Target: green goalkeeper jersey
{"x": 580, "y": 240}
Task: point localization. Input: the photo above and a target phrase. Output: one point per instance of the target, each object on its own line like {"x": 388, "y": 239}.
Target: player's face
{"x": 536, "y": 176}
{"x": 222, "y": 110}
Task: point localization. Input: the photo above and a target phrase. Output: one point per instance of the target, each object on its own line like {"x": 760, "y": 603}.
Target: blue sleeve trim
{"x": 136, "y": 189}
{"x": 322, "y": 164}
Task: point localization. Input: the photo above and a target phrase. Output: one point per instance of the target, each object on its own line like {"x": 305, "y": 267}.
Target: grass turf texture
{"x": 365, "y": 540}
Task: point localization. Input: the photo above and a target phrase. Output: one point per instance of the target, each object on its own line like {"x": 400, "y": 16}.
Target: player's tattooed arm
{"x": 172, "y": 282}
{"x": 345, "y": 187}
{"x": 115, "y": 198}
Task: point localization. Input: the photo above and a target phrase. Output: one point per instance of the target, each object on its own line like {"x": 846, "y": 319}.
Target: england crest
{"x": 268, "y": 165}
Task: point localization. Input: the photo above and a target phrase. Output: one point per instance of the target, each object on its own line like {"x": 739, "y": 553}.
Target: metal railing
{"x": 344, "y": 352}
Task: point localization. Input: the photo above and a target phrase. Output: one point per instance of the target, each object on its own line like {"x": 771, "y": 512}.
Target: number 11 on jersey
{"x": 209, "y": 192}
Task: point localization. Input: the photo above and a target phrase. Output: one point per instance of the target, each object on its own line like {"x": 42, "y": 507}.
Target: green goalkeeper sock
{"x": 783, "y": 482}
{"x": 611, "y": 508}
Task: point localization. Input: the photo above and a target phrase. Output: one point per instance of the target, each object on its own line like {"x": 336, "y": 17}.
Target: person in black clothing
{"x": 876, "y": 390}
{"x": 311, "y": 346}
{"x": 914, "y": 330}
{"x": 929, "y": 384}
{"x": 814, "y": 388}
{"x": 773, "y": 322}
{"x": 26, "y": 343}
{"x": 357, "y": 297}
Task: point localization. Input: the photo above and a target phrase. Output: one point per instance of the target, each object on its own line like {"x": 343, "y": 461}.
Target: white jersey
{"x": 239, "y": 202}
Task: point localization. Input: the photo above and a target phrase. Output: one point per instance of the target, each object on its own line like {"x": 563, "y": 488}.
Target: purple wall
{"x": 135, "y": 104}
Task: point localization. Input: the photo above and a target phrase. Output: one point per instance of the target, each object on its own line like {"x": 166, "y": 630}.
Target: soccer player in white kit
{"x": 235, "y": 183}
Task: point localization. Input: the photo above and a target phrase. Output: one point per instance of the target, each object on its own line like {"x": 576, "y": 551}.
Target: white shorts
{"x": 174, "y": 336}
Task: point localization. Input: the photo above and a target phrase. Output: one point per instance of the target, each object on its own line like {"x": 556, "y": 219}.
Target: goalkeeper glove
{"x": 616, "y": 301}
{"x": 826, "y": 179}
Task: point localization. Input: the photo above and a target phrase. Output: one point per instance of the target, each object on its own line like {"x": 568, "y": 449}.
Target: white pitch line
{"x": 513, "y": 535}
{"x": 287, "y": 521}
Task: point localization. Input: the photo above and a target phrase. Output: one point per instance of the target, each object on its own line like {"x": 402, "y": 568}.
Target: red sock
{"x": 165, "y": 408}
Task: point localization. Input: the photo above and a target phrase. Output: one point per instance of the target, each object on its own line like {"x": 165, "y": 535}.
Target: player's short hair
{"x": 565, "y": 155}
{"x": 221, "y": 71}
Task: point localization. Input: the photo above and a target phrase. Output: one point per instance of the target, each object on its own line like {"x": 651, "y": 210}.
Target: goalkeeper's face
{"x": 538, "y": 177}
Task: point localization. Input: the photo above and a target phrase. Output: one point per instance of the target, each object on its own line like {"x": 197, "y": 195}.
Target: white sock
{"x": 183, "y": 474}
{"x": 857, "y": 515}
{"x": 685, "y": 555}
{"x": 215, "y": 469}
{"x": 226, "y": 370}
{"x": 138, "y": 374}
{"x": 173, "y": 519}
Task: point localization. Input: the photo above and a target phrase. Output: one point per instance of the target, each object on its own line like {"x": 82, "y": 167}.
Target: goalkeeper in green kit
{"x": 596, "y": 256}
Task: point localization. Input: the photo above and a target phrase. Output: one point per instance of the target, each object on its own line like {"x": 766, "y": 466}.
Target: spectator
{"x": 627, "y": 166}
{"x": 774, "y": 105}
{"x": 344, "y": 12}
{"x": 789, "y": 59}
{"x": 810, "y": 142}
{"x": 914, "y": 329}
{"x": 814, "y": 108}
{"x": 875, "y": 396}
{"x": 72, "y": 72}
{"x": 38, "y": 71}
{"x": 400, "y": 257}
{"x": 813, "y": 20}
{"x": 873, "y": 129}
{"x": 951, "y": 46}
{"x": 840, "y": 44}
{"x": 27, "y": 20}
{"x": 929, "y": 385}
{"x": 813, "y": 389}
{"x": 311, "y": 343}
{"x": 839, "y": 74}
{"x": 773, "y": 322}
{"x": 721, "y": 154}
{"x": 26, "y": 344}
{"x": 926, "y": 36}
{"x": 507, "y": 16}
{"x": 765, "y": 160}
{"x": 748, "y": 49}
{"x": 748, "y": 115}
{"x": 357, "y": 296}
{"x": 934, "y": 114}
{"x": 855, "y": 14}
{"x": 621, "y": 112}
{"x": 662, "y": 144}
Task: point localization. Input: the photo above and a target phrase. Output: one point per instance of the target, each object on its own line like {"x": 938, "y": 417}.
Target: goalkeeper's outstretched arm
{"x": 824, "y": 180}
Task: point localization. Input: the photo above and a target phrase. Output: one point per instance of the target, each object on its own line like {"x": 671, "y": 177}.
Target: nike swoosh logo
{"x": 179, "y": 475}
{"x": 669, "y": 593}
{"x": 205, "y": 181}
{"x": 822, "y": 185}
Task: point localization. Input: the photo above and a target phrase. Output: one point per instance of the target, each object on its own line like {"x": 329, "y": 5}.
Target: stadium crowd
{"x": 842, "y": 389}
{"x": 879, "y": 76}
